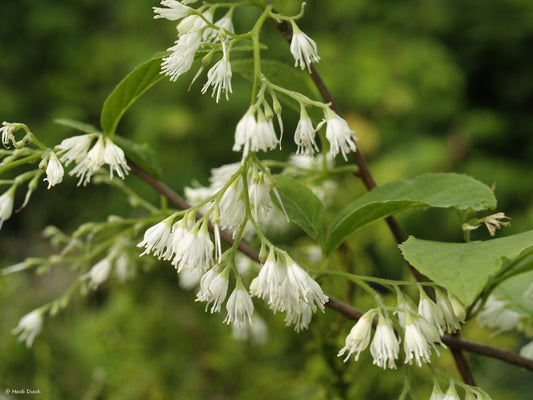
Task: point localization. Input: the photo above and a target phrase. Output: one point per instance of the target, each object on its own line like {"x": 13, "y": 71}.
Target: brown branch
{"x": 342, "y": 308}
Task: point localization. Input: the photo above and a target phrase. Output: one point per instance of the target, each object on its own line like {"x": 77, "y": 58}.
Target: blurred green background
{"x": 429, "y": 85}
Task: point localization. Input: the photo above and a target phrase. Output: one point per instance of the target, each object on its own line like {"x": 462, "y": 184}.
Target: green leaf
{"x": 128, "y": 91}
{"x": 301, "y": 204}
{"x": 428, "y": 190}
{"x": 140, "y": 154}
{"x": 463, "y": 268}
{"x": 80, "y": 126}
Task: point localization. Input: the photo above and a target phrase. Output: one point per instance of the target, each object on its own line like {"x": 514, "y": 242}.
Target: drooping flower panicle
{"x": 89, "y": 160}
{"x": 288, "y": 288}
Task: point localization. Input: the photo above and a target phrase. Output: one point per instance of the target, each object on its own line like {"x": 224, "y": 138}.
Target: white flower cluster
{"x": 422, "y": 330}
{"x": 281, "y": 282}
{"x": 286, "y": 287}
{"x": 186, "y": 244}
{"x": 255, "y": 131}
{"x": 89, "y": 159}
{"x": 194, "y": 30}
{"x": 232, "y": 206}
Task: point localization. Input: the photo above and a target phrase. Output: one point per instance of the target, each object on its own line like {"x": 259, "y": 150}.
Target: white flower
{"x": 287, "y": 287}
{"x": 7, "y": 133}
{"x": 527, "y": 351}
{"x": 431, "y": 312}
{"x": 303, "y": 49}
{"x": 300, "y": 318}
{"x": 226, "y": 22}
{"x": 157, "y": 238}
{"x": 254, "y": 135}
{"x": 179, "y": 230}
{"x": 404, "y": 303}
{"x": 99, "y": 273}
{"x": 451, "y": 393}
{"x": 29, "y": 327}
{"x": 259, "y": 194}
{"x": 415, "y": 344}
{"x": 306, "y": 287}
{"x": 124, "y": 263}
{"x": 340, "y": 136}
{"x": 492, "y": 223}
{"x": 495, "y": 315}
{"x": 359, "y": 337}
{"x": 246, "y": 126}
{"x": 93, "y": 160}
{"x": 182, "y": 56}
{"x": 194, "y": 250}
{"x": 114, "y": 157}
{"x": 123, "y": 259}
{"x": 174, "y": 11}
{"x": 385, "y": 346}
{"x": 6, "y": 205}
{"x": 255, "y": 331}
{"x": 54, "y": 171}
{"x": 189, "y": 278}
{"x": 75, "y": 148}
{"x": 232, "y": 207}
{"x": 194, "y": 23}
{"x": 495, "y": 221}
{"x": 104, "y": 151}
{"x": 213, "y": 288}
{"x": 437, "y": 393}
{"x": 264, "y": 138}
{"x": 304, "y": 136}
{"x": 219, "y": 76}
{"x": 453, "y": 323}
{"x": 458, "y": 307}
{"x": 267, "y": 284}
{"x": 239, "y": 306}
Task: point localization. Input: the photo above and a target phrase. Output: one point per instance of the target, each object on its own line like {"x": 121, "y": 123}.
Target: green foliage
{"x": 127, "y": 91}
{"x": 301, "y": 204}
{"x": 429, "y": 190}
{"x": 464, "y": 268}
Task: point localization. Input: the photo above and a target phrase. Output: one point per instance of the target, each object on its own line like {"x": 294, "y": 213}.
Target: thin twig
{"x": 335, "y": 304}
